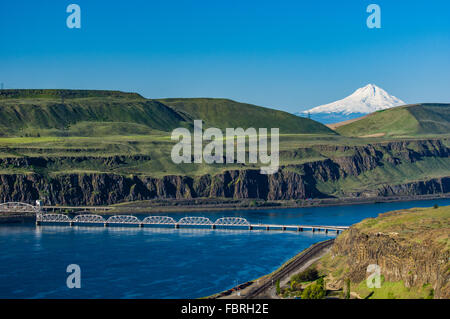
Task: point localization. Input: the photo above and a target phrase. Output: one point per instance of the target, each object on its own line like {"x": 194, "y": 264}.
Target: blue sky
{"x": 289, "y": 55}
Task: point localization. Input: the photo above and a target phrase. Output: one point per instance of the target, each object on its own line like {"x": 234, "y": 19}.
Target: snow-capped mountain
{"x": 365, "y": 100}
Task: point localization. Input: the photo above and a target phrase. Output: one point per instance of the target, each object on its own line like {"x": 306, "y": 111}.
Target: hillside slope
{"x": 409, "y": 120}
{"x": 223, "y": 113}
{"x": 97, "y": 113}
{"x": 63, "y": 112}
{"x": 412, "y": 248}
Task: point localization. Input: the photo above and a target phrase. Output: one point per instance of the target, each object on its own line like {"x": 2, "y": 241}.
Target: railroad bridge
{"x": 43, "y": 217}
{"x": 16, "y": 207}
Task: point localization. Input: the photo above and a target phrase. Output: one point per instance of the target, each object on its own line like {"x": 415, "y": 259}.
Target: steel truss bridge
{"x": 191, "y": 221}
{"x": 15, "y": 207}
{"x": 185, "y": 222}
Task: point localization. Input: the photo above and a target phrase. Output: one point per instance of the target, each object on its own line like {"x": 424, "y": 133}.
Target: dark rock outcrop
{"x": 106, "y": 189}
{"x": 414, "y": 263}
{"x": 290, "y": 182}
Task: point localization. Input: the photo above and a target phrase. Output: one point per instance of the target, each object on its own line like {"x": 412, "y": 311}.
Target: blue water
{"x": 162, "y": 263}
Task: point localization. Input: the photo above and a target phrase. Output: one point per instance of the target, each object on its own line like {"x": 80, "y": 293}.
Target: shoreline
{"x": 323, "y": 202}
{"x": 261, "y": 288}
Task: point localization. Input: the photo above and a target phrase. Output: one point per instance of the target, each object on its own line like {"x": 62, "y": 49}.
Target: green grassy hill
{"x": 33, "y": 113}
{"x": 409, "y": 120}
{"x": 223, "y": 113}
{"x": 80, "y": 131}
{"x": 82, "y": 113}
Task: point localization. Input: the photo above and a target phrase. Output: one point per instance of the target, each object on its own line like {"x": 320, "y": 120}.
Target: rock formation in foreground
{"x": 411, "y": 247}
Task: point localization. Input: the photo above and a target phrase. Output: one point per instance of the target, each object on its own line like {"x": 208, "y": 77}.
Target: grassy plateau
{"x": 67, "y": 125}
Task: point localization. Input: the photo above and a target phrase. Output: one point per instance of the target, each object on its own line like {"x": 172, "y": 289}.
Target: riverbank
{"x": 420, "y": 227}
{"x": 218, "y": 204}
{"x": 264, "y": 287}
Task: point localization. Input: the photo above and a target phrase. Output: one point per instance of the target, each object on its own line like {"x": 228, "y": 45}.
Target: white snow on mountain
{"x": 364, "y": 100}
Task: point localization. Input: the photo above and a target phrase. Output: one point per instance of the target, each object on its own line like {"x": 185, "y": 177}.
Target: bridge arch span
{"x": 88, "y": 218}
{"x": 195, "y": 221}
{"x": 54, "y": 218}
{"x": 123, "y": 219}
{"x": 159, "y": 220}
{"x": 232, "y": 221}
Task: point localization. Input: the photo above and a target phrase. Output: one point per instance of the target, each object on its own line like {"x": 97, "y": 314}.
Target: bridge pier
{"x": 313, "y": 230}
{"x": 267, "y": 228}
{"x": 213, "y": 226}
{"x": 38, "y": 222}
{"x": 326, "y": 231}
{"x": 105, "y": 225}
{"x": 283, "y": 228}
{"x": 71, "y": 223}
{"x": 177, "y": 226}
{"x": 250, "y": 228}
{"x": 141, "y": 225}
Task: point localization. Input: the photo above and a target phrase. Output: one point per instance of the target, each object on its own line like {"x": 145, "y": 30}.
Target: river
{"x": 162, "y": 263}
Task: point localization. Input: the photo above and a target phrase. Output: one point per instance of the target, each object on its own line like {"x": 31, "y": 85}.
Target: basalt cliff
{"x": 321, "y": 178}
{"x": 410, "y": 248}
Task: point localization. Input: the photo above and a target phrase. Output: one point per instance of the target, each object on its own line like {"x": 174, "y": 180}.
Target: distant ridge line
{"x": 66, "y": 93}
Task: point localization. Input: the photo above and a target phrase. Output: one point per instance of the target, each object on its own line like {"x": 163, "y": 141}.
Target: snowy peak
{"x": 367, "y": 99}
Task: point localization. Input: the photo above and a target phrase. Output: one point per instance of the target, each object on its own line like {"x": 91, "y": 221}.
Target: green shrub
{"x": 315, "y": 290}
{"x": 278, "y": 287}
{"x": 309, "y": 274}
{"x": 293, "y": 283}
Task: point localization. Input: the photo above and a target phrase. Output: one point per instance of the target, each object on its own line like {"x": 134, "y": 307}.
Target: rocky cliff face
{"x": 291, "y": 182}
{"x": 353, "y": 160}
{"x": 101, "y": 189}
{"x": 401, "y": 258}
{"x": 431, "y": 186}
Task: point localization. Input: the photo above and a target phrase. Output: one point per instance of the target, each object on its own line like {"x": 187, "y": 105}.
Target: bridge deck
{"x": 196, "y": 221}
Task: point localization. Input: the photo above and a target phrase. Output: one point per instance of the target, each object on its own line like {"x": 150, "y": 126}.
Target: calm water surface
{"x": 161, "y": 263}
